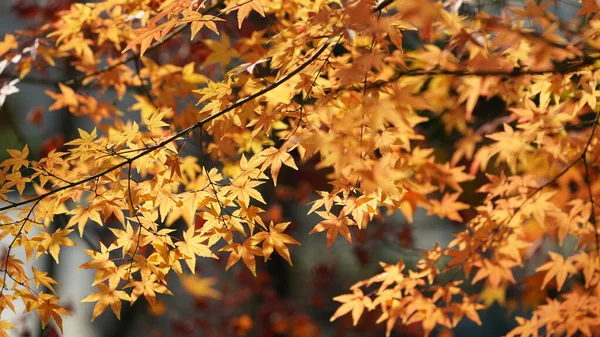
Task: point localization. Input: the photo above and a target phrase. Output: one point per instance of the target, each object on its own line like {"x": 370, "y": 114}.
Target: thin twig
{"x": 134, "y": 213}
{"x": 179, "y": 134}
{"x": 143, "y": 85}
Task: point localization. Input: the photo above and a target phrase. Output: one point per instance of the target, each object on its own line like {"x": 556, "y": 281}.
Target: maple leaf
{"x": 199, "y": 21}
{"x": 81, "y": 217}
{"x": 190, "y": 202}
{"x": 128, "y": 239}
{"x": 145, "y": 35}
{"x": 558, "y": 268}
{"x": 247, "y": 252}
{"x": 85, "y": 138}
{"x": 200, "y": 287}
{"x": 470, "y": 92}
{"x": 148, "y": 287}
{"x": 334, "y": 225}
{"x": 327, "y": 199}
{"x": 526, "y": 327}
{"x": 469, "y": 309}
{"x": 250, "y": 215}
{"x": 244, "y": 189}
{"x": 5, "y": 325}
{"x": 490, "y": 295}
{"x": 42, "y": 278}
{"x": 191, "y": 246}
{"x": 222, "y": 52}
{"x": 17, "y": 158}
{"x": 105, "y": 267}
{"x": 355, "y": 302}
{"x": 511, "y": 145}
{"x": 448, "y": 207}
{"x": 274, "y": 158}
{"x": 106, "y": 296}
{"x": 276, "y": 239}
{"x": 244, "y": 8}
{"x": 250, "y": 67}
{"x": 588, "y": 8}
{"x": 8, "y": 89}
{"x": 67, "y": 98}
{"x": 155, "y": 120}
{"x": 8, "y": 43}
{"x": 495, "y": 273}
{"x": 48, "y": 308}
{"x": 51, "y": 242}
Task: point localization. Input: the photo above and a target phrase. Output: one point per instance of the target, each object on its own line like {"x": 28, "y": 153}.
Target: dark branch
{"x": 179, "y": 134}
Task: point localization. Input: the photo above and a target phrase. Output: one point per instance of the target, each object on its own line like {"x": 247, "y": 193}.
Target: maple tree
{"x": 230, "y": 96}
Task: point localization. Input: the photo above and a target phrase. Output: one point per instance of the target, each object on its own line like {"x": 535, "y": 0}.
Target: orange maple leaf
{"x": 355, "y": 302}
{"x": 107, "y": 296}
{"x": 67, "y": 98}
{"x": 191, "y": 246}
{"x": 588, "y": 7}
{"x": 558, "y": 268}
{"x": 275, "y": 157}
{"x": 247, "y": 251}
{"x": 275, "y": 238}
{"x": 244, "y": 7}
{"x": 334, "y": 225}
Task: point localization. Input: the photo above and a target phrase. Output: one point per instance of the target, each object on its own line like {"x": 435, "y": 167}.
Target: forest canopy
{"x": 204, "y": 115}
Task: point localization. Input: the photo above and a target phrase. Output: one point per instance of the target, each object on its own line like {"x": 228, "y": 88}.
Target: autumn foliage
{"x": 361, "y": 93}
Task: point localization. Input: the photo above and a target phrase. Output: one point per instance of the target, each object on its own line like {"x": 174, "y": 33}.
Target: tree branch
{"x": 178, "y": 134}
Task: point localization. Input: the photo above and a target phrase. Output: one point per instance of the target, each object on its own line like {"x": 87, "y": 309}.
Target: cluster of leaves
{"x": 325, "y": 82}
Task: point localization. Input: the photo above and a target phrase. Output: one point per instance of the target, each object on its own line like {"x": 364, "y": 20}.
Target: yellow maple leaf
{"x": 448, "y": 207}
{"x": 200, "y": 287}
{"x": 51, "y": 242}
{"x": 247, "y": 252}
{"x": 470, "y": 91}
{"x": 558, "y": 268}
{"x": 222, "y": 52}
{"x": 81, "y": 215}
{"x": 9, "y": 43}
{"x": 276, "y": 239}
{"x": 128, "y": 239}
{"x": 107, "y": 296}
{"x": 48, "y": 308}
{"x": 5, "y": 325}
{"x": 42, "y": 278}
{"x": 17, "y": 158}
{"x": 490, "y": 295}
{"x": 243, "y": 189}
{"x": 105, "y": 267}
{"x": 191, "y": 246}
{"x": 244, "y": 7}
{"x": 67, "y": 98}
{"x": 148, "y": 287}
{"x": 275, "y": 157}
{"x": 198, "y": 21}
